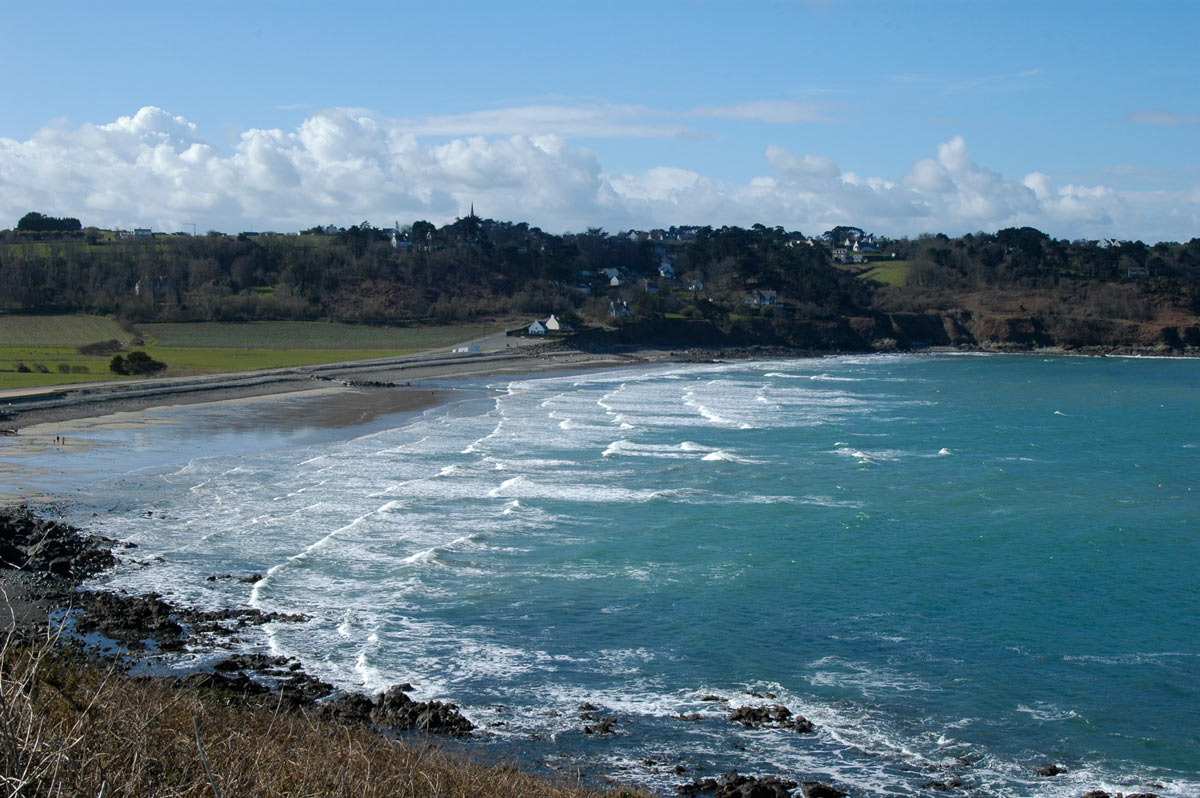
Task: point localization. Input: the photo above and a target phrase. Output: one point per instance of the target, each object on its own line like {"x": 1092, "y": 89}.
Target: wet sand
{"x": 77, "y": 434}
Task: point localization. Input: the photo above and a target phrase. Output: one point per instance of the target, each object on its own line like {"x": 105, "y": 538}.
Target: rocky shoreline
{"x": 44, "y": 563}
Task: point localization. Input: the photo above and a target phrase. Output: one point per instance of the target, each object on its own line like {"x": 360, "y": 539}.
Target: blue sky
{"x": 902, "y": 117}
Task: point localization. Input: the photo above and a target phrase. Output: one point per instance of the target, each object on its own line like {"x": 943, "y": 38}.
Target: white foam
{"x": 725, "y": 457}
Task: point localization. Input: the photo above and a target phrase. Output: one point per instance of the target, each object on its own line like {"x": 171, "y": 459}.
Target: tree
{"x": 36, "y": 221}
{"x": 138, "y": 364}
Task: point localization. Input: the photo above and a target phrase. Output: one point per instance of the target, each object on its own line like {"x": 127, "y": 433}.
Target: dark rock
{"x": 239, "y": 684}
{"x": 349, "y": 708}
{"x": 713, "y": 698}
{"x": 33, "y": 544}
{"x": 1096, "y": 794}
{"x": 130, "y": 620}
{"x": 396, "y": 710}
{"x": 1050, "y": 770}
{"x": 587, "y": 706}
{"x": 697, "y": 786}
{"x": 605, "y": 726}
{"x": 691, "y": 716}
{"x": 735, "y": 785}
{"x": 943, "y": 786}
{"x": 818, "y": 789}
{"x": 771, "y": 716}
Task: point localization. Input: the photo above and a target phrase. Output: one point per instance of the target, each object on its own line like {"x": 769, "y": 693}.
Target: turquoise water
{"x": 958, "y": 567}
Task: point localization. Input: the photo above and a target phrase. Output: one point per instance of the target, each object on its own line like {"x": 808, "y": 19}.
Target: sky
{"x": 1079, "y": 118}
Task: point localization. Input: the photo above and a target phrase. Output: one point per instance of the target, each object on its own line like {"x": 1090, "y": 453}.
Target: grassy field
{"x": 307, "y": 335}
{"x": 892, "y": 272}
{"x": 71, "y": 331}
{"x": 38, "y": 351}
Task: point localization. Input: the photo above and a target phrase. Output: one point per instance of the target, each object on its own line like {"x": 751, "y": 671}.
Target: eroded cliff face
{"x": 1015, "y": 333}
{"x": 895, "y": 332}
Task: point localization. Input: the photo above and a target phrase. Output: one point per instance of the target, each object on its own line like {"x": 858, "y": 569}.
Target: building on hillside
{"x": 549, "y": 325}
{"x": 143, "y": 232}
{"x": 618, "y": 309}
{"x": 762, "y": 298}
{"x": 553, "y": 324}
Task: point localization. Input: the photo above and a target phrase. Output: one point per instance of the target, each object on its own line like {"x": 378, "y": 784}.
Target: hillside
{"x": 845, "y": 289}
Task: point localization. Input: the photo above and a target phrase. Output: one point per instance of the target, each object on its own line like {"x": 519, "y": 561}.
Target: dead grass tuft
{"x": 71, "y": 727}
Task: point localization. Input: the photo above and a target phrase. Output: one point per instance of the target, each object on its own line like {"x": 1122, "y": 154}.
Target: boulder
{"x": 735, "y": 785}
{"x": 818, "y": 789}
{"x": 396, "y": 710}
{"x": 774, "y": 716}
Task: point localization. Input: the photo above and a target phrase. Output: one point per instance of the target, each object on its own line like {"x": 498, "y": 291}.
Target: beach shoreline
{"x": 462, "y": 393}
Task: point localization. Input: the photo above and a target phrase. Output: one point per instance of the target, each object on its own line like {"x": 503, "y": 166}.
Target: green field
{"x": 892, "y": 272}
{"x": 307, "y": 335}
{"x": 70, "y": 331}
{"x": 48, "y": 346}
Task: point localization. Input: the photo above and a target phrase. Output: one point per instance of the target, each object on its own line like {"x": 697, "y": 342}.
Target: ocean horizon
{"x": 959, "y": 568}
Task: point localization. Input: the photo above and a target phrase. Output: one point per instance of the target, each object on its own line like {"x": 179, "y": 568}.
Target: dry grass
{"x": 69, "y": 727}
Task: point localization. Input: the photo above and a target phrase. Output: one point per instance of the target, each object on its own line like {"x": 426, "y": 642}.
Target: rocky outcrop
{"x": 735, "y": 785}
{"x": 395, "y": 710}
{"x": 43, "y": 547}
{"x": 819, "y": 789}
{"x": 774, "y": 716}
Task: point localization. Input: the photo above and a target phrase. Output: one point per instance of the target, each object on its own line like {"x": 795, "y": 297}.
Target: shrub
{"x": 64, "y": 368}
{"x": 101, "y": 347}
{"x": 137, "y": 363}
{"x": 23, "y": 369}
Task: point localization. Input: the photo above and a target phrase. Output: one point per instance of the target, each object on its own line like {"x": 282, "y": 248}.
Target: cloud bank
{"x": 343, "y": 166}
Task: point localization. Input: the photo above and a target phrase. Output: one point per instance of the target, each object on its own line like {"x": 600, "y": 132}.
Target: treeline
{"x": 481, "y": 267}
{"x": 472, "y": 267}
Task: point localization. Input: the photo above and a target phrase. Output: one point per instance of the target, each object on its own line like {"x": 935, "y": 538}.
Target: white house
{"x": 554, "y": 325}
{"x": 548, "y": 325}
{"x": 666, "y": 270}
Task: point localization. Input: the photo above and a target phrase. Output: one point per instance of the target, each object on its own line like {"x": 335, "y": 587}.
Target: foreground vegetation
{"x": 70, "y": 727}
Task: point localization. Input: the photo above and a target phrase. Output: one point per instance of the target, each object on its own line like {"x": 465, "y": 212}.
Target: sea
{"x": 959, "y": 568}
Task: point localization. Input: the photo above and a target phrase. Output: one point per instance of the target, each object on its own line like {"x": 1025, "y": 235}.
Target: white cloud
{"x": 345, "y": 165}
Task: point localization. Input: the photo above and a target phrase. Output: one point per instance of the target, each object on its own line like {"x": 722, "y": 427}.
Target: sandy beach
{"x": 50, "y": 430}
